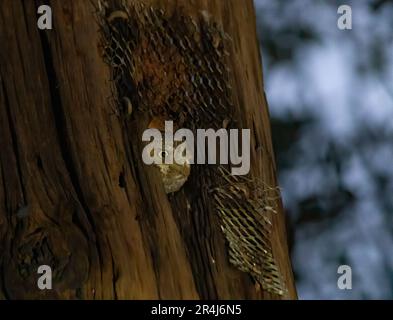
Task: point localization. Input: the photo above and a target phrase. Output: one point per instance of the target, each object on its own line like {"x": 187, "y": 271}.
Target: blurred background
{"x": 330, "y": 94}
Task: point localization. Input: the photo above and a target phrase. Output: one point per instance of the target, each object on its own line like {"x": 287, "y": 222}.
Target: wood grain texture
{"x": 92, "y": 210}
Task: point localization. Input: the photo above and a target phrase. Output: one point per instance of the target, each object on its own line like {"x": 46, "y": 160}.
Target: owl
{"x": 173, "y": 175}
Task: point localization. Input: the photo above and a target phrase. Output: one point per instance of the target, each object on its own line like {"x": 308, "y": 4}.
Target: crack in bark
{"x": 14, "y": 140}
{"x": 64, "y": 144}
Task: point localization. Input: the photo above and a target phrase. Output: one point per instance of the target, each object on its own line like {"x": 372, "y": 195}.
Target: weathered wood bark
{"x": 74, "y": 193}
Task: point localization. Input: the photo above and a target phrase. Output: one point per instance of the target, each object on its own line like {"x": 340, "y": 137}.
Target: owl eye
{"x": 164, "y": 154}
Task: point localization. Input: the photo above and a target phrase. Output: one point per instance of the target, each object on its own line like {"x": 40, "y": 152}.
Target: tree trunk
{"x": 74, "y": 192}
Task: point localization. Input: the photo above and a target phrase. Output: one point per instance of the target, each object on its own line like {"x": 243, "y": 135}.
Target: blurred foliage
{"x": 333, "y": 142}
